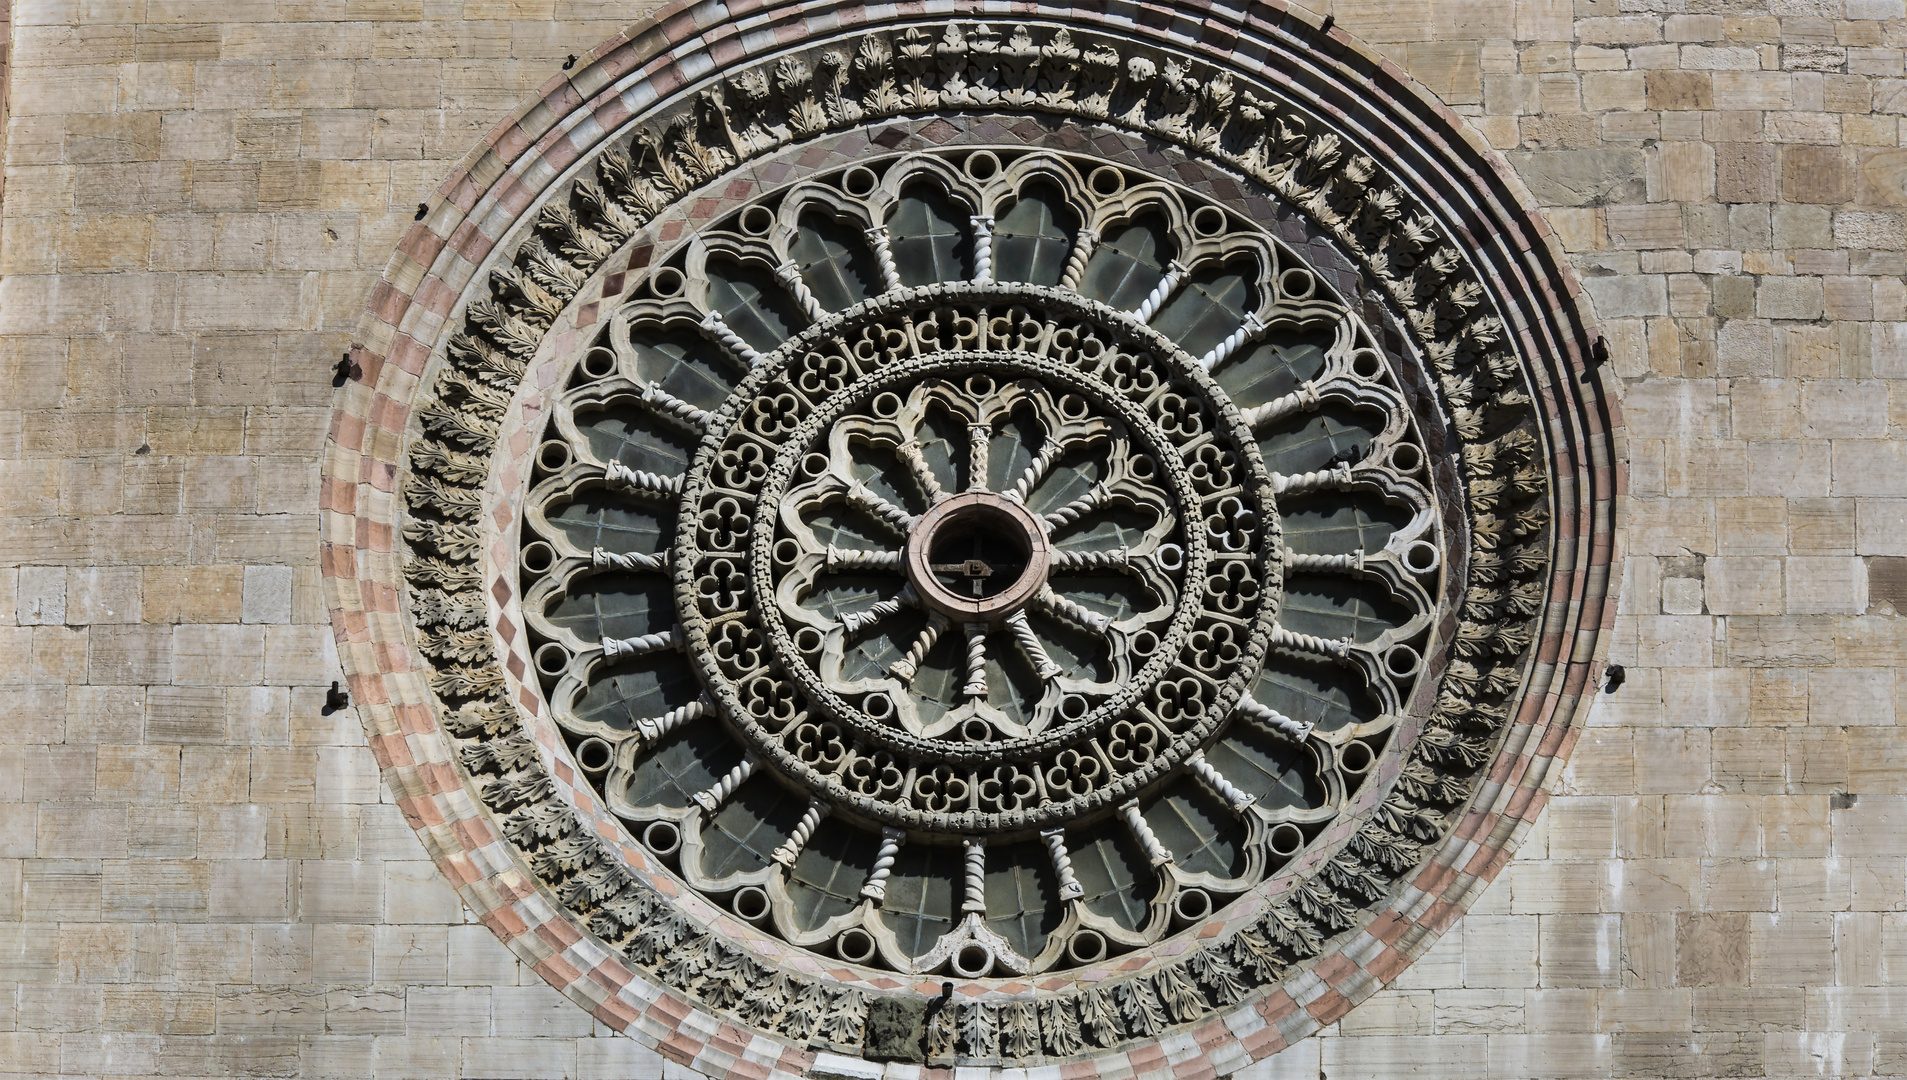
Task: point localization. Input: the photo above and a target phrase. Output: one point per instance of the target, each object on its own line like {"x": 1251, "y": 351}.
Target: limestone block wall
{"x": 200, "y": 873}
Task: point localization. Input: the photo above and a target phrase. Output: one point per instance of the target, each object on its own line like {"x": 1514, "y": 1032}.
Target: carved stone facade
{"x": 756, "y": 403}
{"x": 946, "y": 542}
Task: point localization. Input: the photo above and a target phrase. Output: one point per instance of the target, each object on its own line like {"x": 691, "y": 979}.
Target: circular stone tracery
{"x": 1403, "y": 611}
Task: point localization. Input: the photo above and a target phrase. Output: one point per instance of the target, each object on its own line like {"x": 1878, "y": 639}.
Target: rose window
{"x": 973, "y": 545}
{"x": 980, "y": 563}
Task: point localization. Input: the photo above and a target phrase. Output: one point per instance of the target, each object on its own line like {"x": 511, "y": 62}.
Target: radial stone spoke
{"x": 1273, "y": 719}
{"x": 973, "y": 897}
{"x": 1030, "y": 643}
{"x": 712, "y": 799}
{"x": 979, "y": 444}
{"x": 1069, "y": 886}
{"x": 615, "y": 649}
{"x": 875, "y": 888}
{"x": 1036, "y": 470}
{"x": 599, "y": 559}
{"x": 976, "y": 661}
{"x": 856, "y": 621}
{"x": 790, "y": 850}
{"x": 908, "y": 665}
{"x": 916, "y": 462}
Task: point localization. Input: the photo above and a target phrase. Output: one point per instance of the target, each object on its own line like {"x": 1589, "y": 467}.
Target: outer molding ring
{"x": 1428, "y": 148}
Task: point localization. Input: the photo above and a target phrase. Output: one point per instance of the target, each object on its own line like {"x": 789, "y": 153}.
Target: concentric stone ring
{"x": 1314, "y": 475}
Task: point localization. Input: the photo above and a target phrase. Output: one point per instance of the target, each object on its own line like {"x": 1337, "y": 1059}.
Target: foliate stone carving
{"x": 1048, "y": 458}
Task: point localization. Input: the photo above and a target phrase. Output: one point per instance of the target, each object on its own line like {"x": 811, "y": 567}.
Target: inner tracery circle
{"x": 977, "y": 557}
{"x": 981, "y": 576}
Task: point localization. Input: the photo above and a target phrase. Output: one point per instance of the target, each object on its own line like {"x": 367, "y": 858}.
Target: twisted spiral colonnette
{"x": 600, "y": 559}
{"x": 884, "y": 256}
{"x": 712, "y": 799}
{"x": 729, "y": 339}
{"x": 1076, "y": 259}
{"x": 1069, "y": 886}
{"x": 974, "y": 897}
{"x": 908, "y": 665}
{"x": 982, "y": 247}
{"x": 875, "y": 888}
{"x": 976, "y": 661}
{"x": 1142, "y": 830}
{"x": 790, "y": 849}
{"x": 670, "y": 405}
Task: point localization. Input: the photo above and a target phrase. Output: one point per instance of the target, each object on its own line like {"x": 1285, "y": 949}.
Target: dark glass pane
{"x": 749, "y": 827}
{"x": 643, "y": 688}
{"x": 1311, "y": 441}
{"x": 1207, "y": 308}
{"x": 688, "y": 760}
{"x": 1113, "y": 869}
{"x": 827, "y": 878}
{"x": 1113, "y": 595}
{"x": 1031, "y": 240}
{"x": 920, "y": 902}
{"x": 1011, "y": 450}
{"x": 631, "y": 434}
{"x": 1330, "y": 606}
{"x": 1202, "y": 834}
{"x": 614, "y": 522}
{"x": 1071, "y": 477}
{"x": 685, "y": 365}
{"x": 928, "y": 238}
{"x": 1022, "y": 896}
{"x": 1278, "y": 772}
{"x": 1271, "y": 369}
{"x": 1339, "y": 523}
{"x": 1128, "y": 263}
{"x": 752, "y": 304}
{"x": 616, "y": 605}
{"x": 835, "y": 261}
{"x": 1314, "y": 690}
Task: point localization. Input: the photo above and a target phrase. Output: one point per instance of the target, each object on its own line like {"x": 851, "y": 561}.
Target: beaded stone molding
{"x": 1118, "y": 525}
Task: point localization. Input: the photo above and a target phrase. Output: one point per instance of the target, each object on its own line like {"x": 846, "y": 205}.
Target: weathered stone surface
{"x": 199, "y": 874}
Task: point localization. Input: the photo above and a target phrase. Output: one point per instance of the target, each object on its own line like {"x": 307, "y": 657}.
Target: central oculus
{"x": 977, "y": 557}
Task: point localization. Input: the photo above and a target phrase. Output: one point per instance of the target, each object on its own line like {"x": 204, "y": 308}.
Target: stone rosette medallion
{"x": 1059, "y": 537}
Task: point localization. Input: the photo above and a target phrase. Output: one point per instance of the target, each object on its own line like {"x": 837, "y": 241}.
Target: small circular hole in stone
{"x": 1402, "y": 661}
{"x": 855, "y": 945}
{"x": 667, "y": 282}
{"x": 751, "y": 903}
{"x": 593, "y": 755}
{"x": 1192, "y": 905}
{"x": 1297, "y": 284}
{"x": 859, "y": 180}
{"x": 1286, "y": 840}
{"x": 757, "y": 220}
{"x": 599, "y": 363}
{"x": 552, "y": 659}
{"x": 1356, "y": 758}
{"x": 972, "y": 961}
{"x": 538, "y": 557}
{"x": 1087, "y": 947}
{"x": 554, "y": 455}
{"x": 662, "y": 838}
